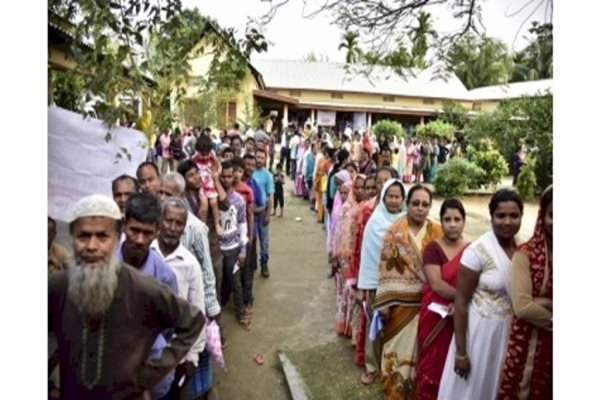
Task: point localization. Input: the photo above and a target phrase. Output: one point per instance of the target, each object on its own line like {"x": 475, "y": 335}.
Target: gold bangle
{"x": 461, "y": 358}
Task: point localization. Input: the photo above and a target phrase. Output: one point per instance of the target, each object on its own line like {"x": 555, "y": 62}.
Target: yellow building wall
{"x": 368, "y": 99}
{"x": 200, "y": 66}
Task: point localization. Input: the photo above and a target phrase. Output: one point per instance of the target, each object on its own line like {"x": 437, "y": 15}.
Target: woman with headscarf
{"x": 342, "y": 251}
{"x": 384, "y": 215}
{"x": 482, "y": 306}
{"x": 441, "y": 259}
{"x": 399, "y": 289}
{"x": 527, "y": 370}
{"x": 299, "y": 185}
{"x": 341, "y": 177}
{"x": 322, "y": 164}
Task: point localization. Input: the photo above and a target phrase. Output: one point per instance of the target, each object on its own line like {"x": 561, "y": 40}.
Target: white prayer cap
{"x": 96, "y": 205}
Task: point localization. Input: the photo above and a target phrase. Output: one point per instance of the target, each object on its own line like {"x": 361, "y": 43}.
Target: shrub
{"x": 456, "y": 176}
{"x": 526, "y": 181}
{"x": 454, "y": 113}
{"x": 490, "y": 161}
{"x": 389, "y": 129}
{"x": 436, "y": 128}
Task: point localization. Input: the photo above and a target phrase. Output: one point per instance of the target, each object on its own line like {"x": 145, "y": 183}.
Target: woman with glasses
{"x": 399, "y": 290}
{"x": 482, "y": 306}
{"x": 441, "y": 259}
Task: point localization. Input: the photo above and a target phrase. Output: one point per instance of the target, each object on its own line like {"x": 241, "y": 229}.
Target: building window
{"x": 335, "y": 95}
{"x": 389, "y": 99}
{"x": 428, "y": 101}
{"x": 476, "y": 106}
{"x": 226, "y": 114}
{"x": 295, "y": 93}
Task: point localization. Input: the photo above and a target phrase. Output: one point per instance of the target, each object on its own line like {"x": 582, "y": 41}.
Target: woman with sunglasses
{"x": 441, "y": 258}
{"x": 399, "y": 290}
{"x": 482, "y": 306}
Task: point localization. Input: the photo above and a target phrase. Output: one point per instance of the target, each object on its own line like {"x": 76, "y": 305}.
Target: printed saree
{"x": 401, "y": 279}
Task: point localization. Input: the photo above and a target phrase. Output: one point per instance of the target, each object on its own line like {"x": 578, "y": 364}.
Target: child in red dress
{"x": 206, "y": 159}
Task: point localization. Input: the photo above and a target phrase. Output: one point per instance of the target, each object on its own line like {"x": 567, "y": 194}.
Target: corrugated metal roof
{"x": 512, "y": 90}
{"x": 381, "y": 80}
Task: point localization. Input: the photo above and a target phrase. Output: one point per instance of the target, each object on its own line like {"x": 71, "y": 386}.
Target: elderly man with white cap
{"x": 106, "y": 314}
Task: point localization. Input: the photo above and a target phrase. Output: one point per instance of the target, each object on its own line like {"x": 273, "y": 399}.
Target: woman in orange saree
{"x": 527, "y": 372}
{"x": 398, "y": 296}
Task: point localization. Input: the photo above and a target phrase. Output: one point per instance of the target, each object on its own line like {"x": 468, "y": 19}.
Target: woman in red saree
{"x": 441, "y": 260}
{"x": 527, "y": 372}
{"x": 364, "y": 213}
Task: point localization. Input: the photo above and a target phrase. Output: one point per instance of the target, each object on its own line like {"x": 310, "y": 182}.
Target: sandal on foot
{"x": 367, "y": 378}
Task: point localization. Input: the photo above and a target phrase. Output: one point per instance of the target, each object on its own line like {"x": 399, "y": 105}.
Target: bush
{"x": 456, "y": 176}
{"x": 389, "y": 129}
{"x": 437, "y": 128}
{"x": 454, "y": 113}
{"x": 490, "y": 161}
{"x": 526, "y": 181}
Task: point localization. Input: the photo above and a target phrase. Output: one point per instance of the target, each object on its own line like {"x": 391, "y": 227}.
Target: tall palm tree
{"x": 420, "y": 35}
{"x": 480, "y": 61}
{"x": 350, "y": 43}
{"x": 535, "y": 61}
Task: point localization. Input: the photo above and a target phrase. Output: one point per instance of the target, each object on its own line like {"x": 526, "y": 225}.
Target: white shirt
{"x": 189, "y": 284}
{"x": 294, "y": 147}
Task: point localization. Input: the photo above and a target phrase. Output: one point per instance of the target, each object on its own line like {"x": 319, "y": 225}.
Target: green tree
{"x": 535, "y": 61}
{"x": 389, "y": 129}
{"x": 454, "y": 113}
{"x": 480, "y": 61}
{"x": 350, "y": 43}
{"x": 420, "y": 36}
{"x": 437, "y": 129}
{"x": 68, "y": 90}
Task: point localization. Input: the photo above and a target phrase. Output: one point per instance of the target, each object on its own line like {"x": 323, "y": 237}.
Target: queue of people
{"x": 134, "y": 312}
{"x": 430, "y": 315}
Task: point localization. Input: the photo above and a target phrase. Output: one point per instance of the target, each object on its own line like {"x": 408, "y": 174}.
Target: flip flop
{"x": 259, "y": 359}
{"x": 367, "y": 378}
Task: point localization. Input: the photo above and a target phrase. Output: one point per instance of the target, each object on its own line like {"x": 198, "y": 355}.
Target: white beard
{"x": 92, "y": 289}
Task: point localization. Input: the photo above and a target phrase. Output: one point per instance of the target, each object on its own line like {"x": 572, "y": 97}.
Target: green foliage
{"x": 437, "y": 129}
{"x": 201, "y": 111}
{"x": 419, "y": 36}
{"x": 68, "y": 90}
{"x": 535, "y": 61}
{"x": 480, "y": 61}
{"x": 456, "y": 176}
{"x": 529, "y": 119}
{"x": 454, "y": 113}
{"x": 490, "y": 161}
{"x": 350, "y": 43}
{"x": 526, "y": 182}
{"x": 251, "y": 116}
{"x": 390, "y": 129}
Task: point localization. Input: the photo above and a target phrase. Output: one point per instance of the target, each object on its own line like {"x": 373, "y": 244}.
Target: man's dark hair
{"x": 146, "y": 164}
{"x": 204, "y": 145}
{"x": 227, "y": 150}
{"x": 261, "y": 151}
{"x": 143, "y": 207}
{"x": 250, "y": 140}
{"x": 237, "y": 163}
{"x": 386, "y": 148}
{"x": 186, "y": 166}
{"x": 249, "y": 156}
{"x": 391, "y": 170}
{"x": 236, "y": 137}
{"x": 125, "y": 177}
{"x": 227, "y": 164}
{"x": 236, "y": 126}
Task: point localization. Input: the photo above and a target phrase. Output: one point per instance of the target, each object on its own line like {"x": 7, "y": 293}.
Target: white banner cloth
{"x": 81, "y": 162}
